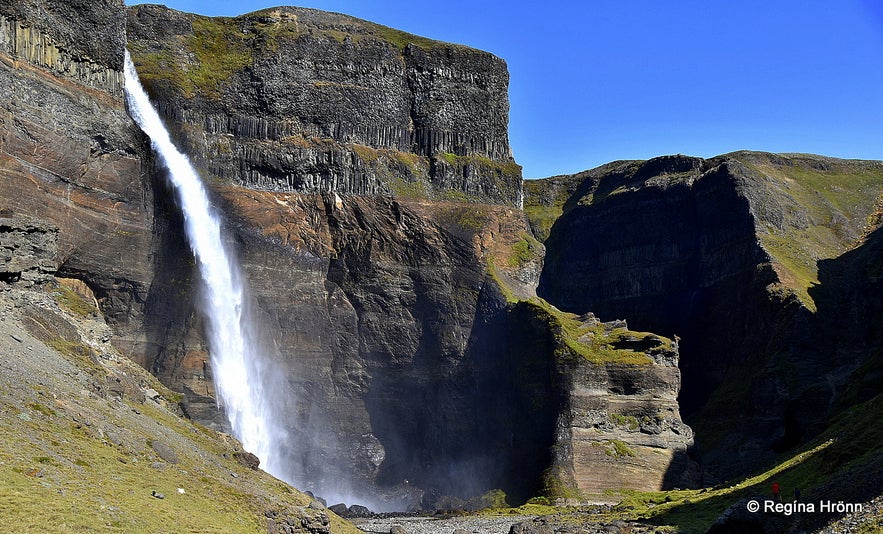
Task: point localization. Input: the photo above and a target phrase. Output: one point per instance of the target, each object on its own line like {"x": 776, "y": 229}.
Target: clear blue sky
{"x": 596, "y": 81}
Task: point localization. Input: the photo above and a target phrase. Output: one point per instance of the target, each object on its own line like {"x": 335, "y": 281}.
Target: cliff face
{"x": 727, "y": 253}
{"x": 377, "y": 309}
{"x": 298, "y": 100}
{"x": 610, "y": 394}
{"x": 70, "y": 156}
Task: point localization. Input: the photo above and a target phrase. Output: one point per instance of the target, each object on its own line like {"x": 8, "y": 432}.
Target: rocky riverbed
{"x": 510, "y": 524}
{"x": 439, "y": 525}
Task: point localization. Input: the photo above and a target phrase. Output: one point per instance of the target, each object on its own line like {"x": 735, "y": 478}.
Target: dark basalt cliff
{"x": 745, "y": 257}
{"x": 299, "y": 100}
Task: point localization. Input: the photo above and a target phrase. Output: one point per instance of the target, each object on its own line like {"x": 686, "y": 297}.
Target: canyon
{"x": 436, "y": 340}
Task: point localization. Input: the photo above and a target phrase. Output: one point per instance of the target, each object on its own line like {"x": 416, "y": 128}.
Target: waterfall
{"x": 238, "y": 366}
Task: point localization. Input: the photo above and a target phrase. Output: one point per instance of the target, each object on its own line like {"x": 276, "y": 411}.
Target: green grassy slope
{"x": 87, "y": 440}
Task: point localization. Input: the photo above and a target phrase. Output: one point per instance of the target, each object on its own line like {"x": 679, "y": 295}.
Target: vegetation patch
{"x": 619, "y": 449}
{"x": 72, "y": 301}
{"x": 507, "y": 168}
{"x": 588, "y": 338}
{"x": 474, "y": 219}
{"x": 415, "y": 189}
{"x": 504, "y": 288}
{"x": 200, "y": 63}
{"x": 221, "y": 50}
{"x": 835, "y": 202}
{"x": 628, "y": 421}
{"x": 525, "y": 250}
{"x": 542, "y": 218}
{"x": 557, "y": 486}
{"x": 495, "y": 498}
{"x": 37, "y": 407}
{"x": 402, "y": 39}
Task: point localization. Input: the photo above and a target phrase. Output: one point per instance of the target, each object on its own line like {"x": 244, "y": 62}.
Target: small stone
{"x": 114, "y": 438}
{"x": 15, "y": 337}
{"x": 181, "y": 491}
{"x": 397, "y": 530}
{"x": 316, "y": 505}
{"x": 157, "y": 494}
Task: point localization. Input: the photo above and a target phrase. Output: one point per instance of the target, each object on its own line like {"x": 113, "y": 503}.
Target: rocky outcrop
{"x": 728, "y": 253}
{"x": 299, "y": 100}
{"x": 27, "y": 251}
{"x": 81, "y": 41}
{"x": 612, "y": 394}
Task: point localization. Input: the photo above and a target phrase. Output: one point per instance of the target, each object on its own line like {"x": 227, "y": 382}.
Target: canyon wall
{"x": 70, "y": 156}
{"x": 734, "y": 255}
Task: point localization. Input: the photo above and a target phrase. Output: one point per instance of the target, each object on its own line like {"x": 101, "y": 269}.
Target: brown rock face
{"x": 27, "y": 251}
{"x": 69, "y": 153}
{"x": 610, "y": 395}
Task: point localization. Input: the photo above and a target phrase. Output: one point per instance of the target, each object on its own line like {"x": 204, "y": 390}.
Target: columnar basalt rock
{"x": 298, "y": 100}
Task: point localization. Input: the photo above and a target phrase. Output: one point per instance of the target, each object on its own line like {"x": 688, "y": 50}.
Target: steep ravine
{"x": 735, "y": 255}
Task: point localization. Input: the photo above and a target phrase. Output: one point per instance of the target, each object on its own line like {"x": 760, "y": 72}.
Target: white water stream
{"x": 236, "y": 362}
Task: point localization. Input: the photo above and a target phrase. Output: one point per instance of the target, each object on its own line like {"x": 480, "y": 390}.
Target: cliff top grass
{"x": 339, "y": 27}
{"x": 827, "y": 206}
{"x": 199, "y": 63}
{"x": 202, "y": 61}
{"x": 544, "y": 202}
{"x": 593, "y": 340}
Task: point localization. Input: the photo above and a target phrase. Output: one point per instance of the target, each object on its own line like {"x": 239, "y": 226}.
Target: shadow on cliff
{"x": 486, "y": 422}
{"x": 850, "y": 314}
